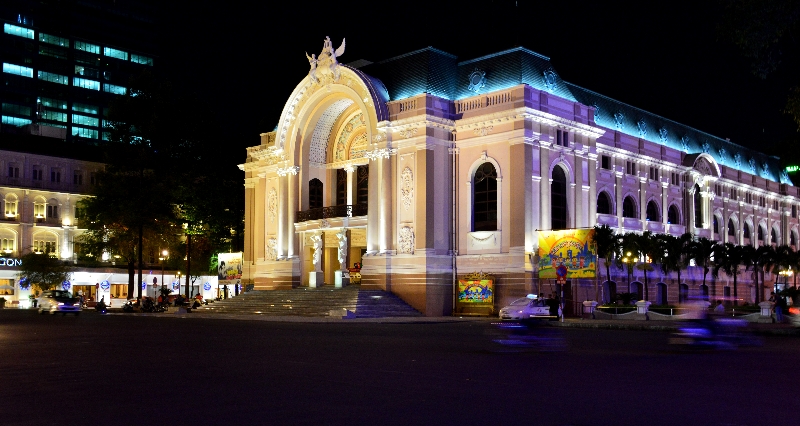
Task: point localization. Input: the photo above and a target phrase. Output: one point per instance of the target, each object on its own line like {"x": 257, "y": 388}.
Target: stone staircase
{"x": 313, "y": 302}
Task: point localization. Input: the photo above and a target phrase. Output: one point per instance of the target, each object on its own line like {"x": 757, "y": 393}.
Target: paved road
{"x": 166, "y": 370}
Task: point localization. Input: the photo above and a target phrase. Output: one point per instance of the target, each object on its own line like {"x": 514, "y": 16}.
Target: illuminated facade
{"x": 423, "y": 168}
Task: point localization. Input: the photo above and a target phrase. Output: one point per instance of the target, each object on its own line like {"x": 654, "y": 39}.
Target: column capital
{"x": 283, "y": 171}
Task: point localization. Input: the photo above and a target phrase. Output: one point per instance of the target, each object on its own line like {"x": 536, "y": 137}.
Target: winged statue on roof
{"x": 325, "y": 65}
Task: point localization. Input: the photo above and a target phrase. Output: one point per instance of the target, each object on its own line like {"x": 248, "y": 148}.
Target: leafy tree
{"x": 729, "y": 258}
{"x": 675, "y": 253}
{"x": 648, "y": 247}
{"x": 629, "y": 252}
{"x": 757, "y": 259}
{"x": 44, "y": 271}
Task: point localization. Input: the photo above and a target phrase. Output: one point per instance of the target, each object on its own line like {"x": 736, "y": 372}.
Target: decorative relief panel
{"x": 272, "y": 204}
{"x": 487, "y": 240}
{"x": 319, "y": 139}
{"x": 406, "y": 240}
{"x": 272, "y": 249}
{"x": 407, "y": 188}
{"x": 358, "y": 237}
{"x": 342, "y": 244}
{"x": 354, "y": 125}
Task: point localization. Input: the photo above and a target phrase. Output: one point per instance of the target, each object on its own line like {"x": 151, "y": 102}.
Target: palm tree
{"x": 702, "y": 251}
{"x": 756, "y": 259}
{"x": 675, "y": 251}
{"x": 648, "y": 247}
{"x": 729, "y": 257}
{"x": 608, "y": 243}
{"x": 628, "y": 253}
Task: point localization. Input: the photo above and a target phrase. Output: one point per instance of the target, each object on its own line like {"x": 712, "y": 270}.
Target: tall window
{"x": 792, "y": 240}
{"x": 314, "y": 194}
{"x": 731, "y": 228}
{"x": 760, "y": 233}
{"x": 362, "y": 184}
{"x": 484, "y": 196}
{"x": 558, "y": 199}
{"x": 629, "y": 207}
{"x": 746, "y": 231}
{"x": 11, "y": 206}
{"x": 653, "y": 214}
{"x": 37, "y": 173}
{"x": 698, "y": 207}
{"x": 774, "y": 237}
{"x": 603, "y": 203}
{"x": 341, "y": 187}
{"x": 715, "y": 225}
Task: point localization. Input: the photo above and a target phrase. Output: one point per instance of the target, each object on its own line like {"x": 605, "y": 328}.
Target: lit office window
{"x": 14, "y": 121}
{"x": 17, "y": 31}
{"x": 87, "y": 47}
{"x": 53, "y": 77}
{"x": 114, "y": 53}
{"x": 86, "y": 84}
{"x": 140, "y": 59}
{"x": 17, "y": 70}
{"x": 51, "y": 39}
{"x": 84, "y": 133}
{"x": 52, "y": 103}
{"x": 117, "y": 90}
{"x": 16, "y": 109}
{"x": 84, "y": 120}
{"x": 55, "y": 116}
{"x": 89, "y": 109}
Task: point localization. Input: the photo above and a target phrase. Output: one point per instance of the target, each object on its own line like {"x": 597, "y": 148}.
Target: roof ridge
{"x": 513, "y": 49}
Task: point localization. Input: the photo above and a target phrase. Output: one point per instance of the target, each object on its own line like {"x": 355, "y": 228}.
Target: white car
{"x": 58, "y": 301}
{"x": 523, "y": 308}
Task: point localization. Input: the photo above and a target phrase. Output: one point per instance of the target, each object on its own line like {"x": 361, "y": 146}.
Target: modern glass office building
{"x": 64, "y": 61}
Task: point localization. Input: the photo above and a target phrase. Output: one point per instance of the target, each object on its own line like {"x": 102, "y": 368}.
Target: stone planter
{"x": 642, "y": 307}
{"x": 766, "y": 308}
{"x": 589, "y": 306}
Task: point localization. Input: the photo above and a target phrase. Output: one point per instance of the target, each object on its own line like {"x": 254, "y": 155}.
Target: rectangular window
{"x": 605, "y": 162}
{"x": 17, "y": 31}
{"x": 85, "y": 121}
{"x": 562, "y": 137}
{"x": 13, "y": 171}
{"x": 630, "y": 168}
{"x": 55, "y": 175}
{"x": 140, "y": 59}
{"x": 89, "y": 109}
{"x": 17, "y": 70}
{"x": 86, "y": 84}
{"x": 77, "y": 178}
{"x": 11, "y": 208}
{"x": 84, "y": 133}
{"x": 52, "y": 211}
{"x": 674, "y": 178}
{"x": 653, "y": 173}
{"x": 37, "y": 173}
{"x": 54, "y": 115}
{"x": 16, "y": 109}
{"x": 53, "y": 77}
{"x": 52, "y": 103}
{"x": 87, "y": 71}
{"x": 117, "y": 90}
{"x": 15, "y": 121}
{"x": 51, "y": 39}
{"x": 87, "y": 47}
{"x": 93, "y": 178}
{"x": 53, "y": 52}
{"x": 115, "y": 53}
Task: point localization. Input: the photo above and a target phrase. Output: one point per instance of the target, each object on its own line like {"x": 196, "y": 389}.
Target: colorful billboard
{"x": 476, "y": 290}
{"x": 571, "y": 248}
{"x": 229, "y": 268}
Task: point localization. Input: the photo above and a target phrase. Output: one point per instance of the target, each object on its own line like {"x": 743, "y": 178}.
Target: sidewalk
{"x": 784, "y": 329}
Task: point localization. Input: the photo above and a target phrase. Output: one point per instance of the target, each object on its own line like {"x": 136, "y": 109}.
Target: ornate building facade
{"x": 422, "y": 169}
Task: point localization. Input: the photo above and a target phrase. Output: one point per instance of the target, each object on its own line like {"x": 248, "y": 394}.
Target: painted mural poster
{"x": 230, "y": 268}
{"x": 571, "y": 248}
{"x": 476, "y": 291}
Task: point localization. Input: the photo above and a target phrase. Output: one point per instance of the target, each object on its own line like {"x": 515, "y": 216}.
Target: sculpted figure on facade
{"x": 342, "y": 237}
{"x": 406, "y": 240}
{"x": 407, "y": 190}
{"x": 326, "y": 64}
{"x": 317, "y": 246}
{"x": 272, "y": 251}
{"x": 312, "y": 73}
{"x": 272, "y": 204}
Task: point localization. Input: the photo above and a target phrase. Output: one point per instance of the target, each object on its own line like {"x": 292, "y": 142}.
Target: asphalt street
{"x": 163, "y": 369}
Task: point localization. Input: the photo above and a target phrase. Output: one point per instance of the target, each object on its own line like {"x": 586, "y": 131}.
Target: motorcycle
{"x": 101, "y": 307}
{"x": 129, "y": 306}
{"x": 722, "y": 334}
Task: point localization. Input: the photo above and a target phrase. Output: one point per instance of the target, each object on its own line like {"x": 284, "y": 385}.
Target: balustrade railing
{"x": 344, "y": 210}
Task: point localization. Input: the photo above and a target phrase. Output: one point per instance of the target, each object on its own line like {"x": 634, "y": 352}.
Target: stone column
{"x": 689, "y": 216}
{"x": 544, "y": 187}
{"x": 386, "y": 217}
{"x": 578, "y": 209}
{"x": 249, "y": 195}
{"x": 282, "y": 219}
{"x": 291, "y": 212}
{"x": 643, "y": 200}
{"x": 342, "y": 275}
{"x": 592, "y": 213}
{"x": 373, "y": 208}
{"x": 350, "y": 170}
{"x": 618, "y": 173}
{"x": 664, "y": 204}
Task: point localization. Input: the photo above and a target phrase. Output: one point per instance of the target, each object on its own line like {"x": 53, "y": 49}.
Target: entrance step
{"x": 314, "y": 302}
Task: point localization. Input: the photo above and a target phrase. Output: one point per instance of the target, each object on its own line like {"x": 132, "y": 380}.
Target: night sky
{"x": 245, "y": 58}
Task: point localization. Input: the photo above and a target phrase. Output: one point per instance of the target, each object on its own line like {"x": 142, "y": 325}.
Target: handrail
{"x": 344, "y": 210}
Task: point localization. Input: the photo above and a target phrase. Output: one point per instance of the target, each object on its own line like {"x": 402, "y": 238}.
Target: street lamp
{"x": 627, "y": 261}
{"x": 162, "y": 258}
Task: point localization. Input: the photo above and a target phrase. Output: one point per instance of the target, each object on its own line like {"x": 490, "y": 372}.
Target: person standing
{"x": 780, "y": 305}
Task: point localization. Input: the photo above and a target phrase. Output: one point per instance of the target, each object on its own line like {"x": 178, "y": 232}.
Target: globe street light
{"x": 162, "y": 258}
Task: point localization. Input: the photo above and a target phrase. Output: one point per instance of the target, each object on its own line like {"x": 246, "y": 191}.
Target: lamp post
{"x": 627, "y": 261}
{"x": 162, "y": 258}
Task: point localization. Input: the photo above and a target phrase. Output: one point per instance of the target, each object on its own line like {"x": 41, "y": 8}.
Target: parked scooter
{"x": 129, "y": 306}
{"x": 708, "y": 334}
{"x": 101, "y": 306}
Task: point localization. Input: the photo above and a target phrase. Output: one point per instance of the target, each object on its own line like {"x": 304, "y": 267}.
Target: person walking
{"x": 780, "y": 305}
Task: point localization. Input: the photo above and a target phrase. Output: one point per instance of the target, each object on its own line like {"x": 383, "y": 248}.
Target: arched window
{"x": 484, "y": 196}
{"x": 773, "y": 237}
{"x": 653, "y": 214}
{"x": 11, "y": 206}
{"x": 314, "y": 194}
{"x": 628, "y": 207}
{"x": 558, "y": 199}
{"x": 8, "y": 241}
{"x": 760, "y": 233}
{"x": 792, "y": 239}
{"x": 698, "y": 207}
{"x": 673, "y": 215}
{"x": 731, "y": 228}
{"x": 46, "y": 242}
{"x": 715, "y": 224}
{"x": 746, "y": 231}
{"x": 341, "y": 187}
{"x": 603, "y": 203}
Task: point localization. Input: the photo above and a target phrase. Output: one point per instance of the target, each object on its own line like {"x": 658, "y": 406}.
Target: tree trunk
{"x": 755, "y": 273}
{"x": 735, "y": 291}
{"x": 139, "y": 254}
{"x": 646, "y": 289}
{"x": 131, "y": 271}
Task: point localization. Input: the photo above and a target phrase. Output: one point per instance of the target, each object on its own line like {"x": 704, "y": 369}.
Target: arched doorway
{"x": 661, "y": 294}
{"x": 609, "y": 292}
{"x": 637, "y": 290}
{"x": 683, "y": 293}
